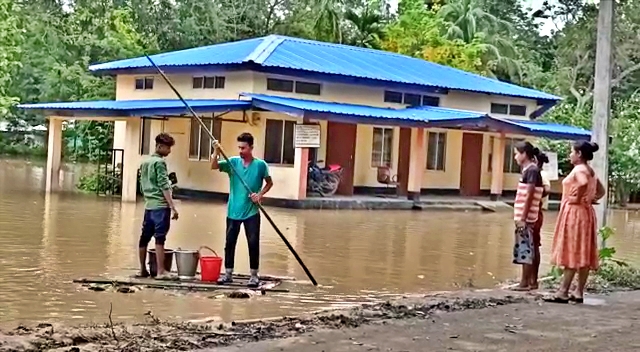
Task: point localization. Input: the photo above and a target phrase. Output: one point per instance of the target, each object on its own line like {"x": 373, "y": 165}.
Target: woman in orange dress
{"x": 575, "y": 246}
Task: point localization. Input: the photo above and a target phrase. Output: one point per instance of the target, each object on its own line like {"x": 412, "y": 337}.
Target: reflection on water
{"x": 358, "y": 256}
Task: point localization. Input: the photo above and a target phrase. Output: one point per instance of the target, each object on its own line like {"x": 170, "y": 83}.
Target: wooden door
{"x": 471, "y": 168}
{"x": 404, "y": 159}
{"x": 341, "y": 149}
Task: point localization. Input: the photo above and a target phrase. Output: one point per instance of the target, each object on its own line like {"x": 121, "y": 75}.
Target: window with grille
{"x": 208, "y": 82}
{"x": 382, "y": 147}
{"x": 436, "y": 151}
{"x": 278, "y": 145}
{"x": 509, "y": 109}
{"x": 199, "y": 141}
{"x": 144, "y": 83}
{"x": 410, "y": 99}
{"x": 280, "y": 85}
{"x": 510, "y": 164}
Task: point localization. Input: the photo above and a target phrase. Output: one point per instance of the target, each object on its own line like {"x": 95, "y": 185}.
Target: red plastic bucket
{"x": 210, "y": 266}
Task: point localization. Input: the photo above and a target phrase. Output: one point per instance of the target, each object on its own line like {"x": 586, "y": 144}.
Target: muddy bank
{"x": 156, "y": 335}
{"x": 602, "y": 323}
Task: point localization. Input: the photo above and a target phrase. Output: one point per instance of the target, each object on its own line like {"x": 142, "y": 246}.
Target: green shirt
{"x": 240, "y": 206}
{"x": 153, "y": 180}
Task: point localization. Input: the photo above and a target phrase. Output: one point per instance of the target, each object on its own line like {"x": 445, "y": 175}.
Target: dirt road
{"x": 603, "y": 323}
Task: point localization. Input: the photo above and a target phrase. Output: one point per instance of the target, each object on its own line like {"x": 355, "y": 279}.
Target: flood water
{"x": 357, "y": 256}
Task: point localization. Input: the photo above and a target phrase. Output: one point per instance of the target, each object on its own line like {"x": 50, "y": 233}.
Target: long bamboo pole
{"x": 235, "y": 172}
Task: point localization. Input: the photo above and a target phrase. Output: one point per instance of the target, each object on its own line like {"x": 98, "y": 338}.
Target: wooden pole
{"x": 235, "y": 172}
{"x": 602, "y": 101}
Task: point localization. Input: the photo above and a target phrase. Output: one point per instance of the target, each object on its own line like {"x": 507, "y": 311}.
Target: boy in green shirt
{"x": 158, "y": 205}
{"x": 242, "y": 209}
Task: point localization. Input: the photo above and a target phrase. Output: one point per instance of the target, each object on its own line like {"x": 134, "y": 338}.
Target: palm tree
{"x": 367, "y": 26}
{"x": 466, "y": 20}
{"x": 327, "y": 24}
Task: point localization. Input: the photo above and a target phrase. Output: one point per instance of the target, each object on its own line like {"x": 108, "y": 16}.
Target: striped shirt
{"x": 544, "y": 204}
{"x": 530, "y": 175}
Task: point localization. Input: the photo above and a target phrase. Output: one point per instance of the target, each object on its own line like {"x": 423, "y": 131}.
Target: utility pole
{"x": 602, "y": 101}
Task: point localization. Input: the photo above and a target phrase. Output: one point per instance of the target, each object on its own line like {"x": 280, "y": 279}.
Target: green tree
{"x": 327, "y": 21}
{"x": 468, "y": 21}
{"x": 55, "y": 49}
{"x": 624, "y": 168}
{"x": 418, "y": 32}
{"x": 10, "y": 39}
{"x": 365, "y": 25}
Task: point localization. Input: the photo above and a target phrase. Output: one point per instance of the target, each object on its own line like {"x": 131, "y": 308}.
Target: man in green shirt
{"x": 158, "y": 205}
{"x": 242, "y": 209}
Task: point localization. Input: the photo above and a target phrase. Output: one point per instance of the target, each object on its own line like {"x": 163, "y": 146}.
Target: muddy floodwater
{"x": 357, "y": 256}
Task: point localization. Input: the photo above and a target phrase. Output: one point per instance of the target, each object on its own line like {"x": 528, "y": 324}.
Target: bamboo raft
{"x": 267, "y": 283}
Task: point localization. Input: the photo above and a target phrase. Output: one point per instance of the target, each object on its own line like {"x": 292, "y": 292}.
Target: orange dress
{"x": 575, "y": 243}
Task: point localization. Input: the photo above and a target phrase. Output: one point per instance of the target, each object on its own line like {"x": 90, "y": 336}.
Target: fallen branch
{"x": 209, "y": 332}
{"x": 153, "y": 318}
{"x": 259, "y": 320}
{"x": 283, "y": 317}
{"x": 113, "y": 331}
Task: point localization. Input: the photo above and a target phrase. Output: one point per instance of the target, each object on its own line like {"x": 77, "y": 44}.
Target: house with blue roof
{"x": 393, "y": 123}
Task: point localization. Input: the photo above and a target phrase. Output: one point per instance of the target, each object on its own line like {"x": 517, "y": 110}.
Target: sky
{"x": 547, "y": 24}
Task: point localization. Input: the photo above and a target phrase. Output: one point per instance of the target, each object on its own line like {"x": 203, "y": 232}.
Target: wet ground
{"x": 160, "y": 335}
{"x": 444, "y": 322}
{"x": 358, "y": 256}
{"x": 604, "y": 323}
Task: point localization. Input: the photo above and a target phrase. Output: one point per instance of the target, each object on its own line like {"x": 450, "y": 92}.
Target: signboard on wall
{"x": 307, "y": 136}
{"x": 551, "y": 168}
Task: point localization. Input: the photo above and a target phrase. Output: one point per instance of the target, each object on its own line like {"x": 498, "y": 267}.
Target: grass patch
{"x": 613, "y": 274}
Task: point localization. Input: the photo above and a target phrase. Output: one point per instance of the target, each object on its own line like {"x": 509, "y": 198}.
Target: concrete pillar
{"x": 119, "y": 132}
{"x": 54, "y": 155}
{"x": 497, "y": 167}
{"x": 417, "y": 163}
{"x": 300, "y": 166}
{"x": 131, "y": 159}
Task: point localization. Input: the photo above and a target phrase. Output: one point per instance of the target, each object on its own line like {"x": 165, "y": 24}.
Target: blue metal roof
{"x": 279, "y": 52}
{"x": 140, "y": 107}
{"x": 557, "y": 130}
{"x": 360, "y": 113}
{"x": 218, "y": 54}
{"x": 424, "y": 116}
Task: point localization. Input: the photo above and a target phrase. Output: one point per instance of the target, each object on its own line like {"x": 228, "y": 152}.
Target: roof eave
{"x": 172, "y": 69}
{"x": 544, "y": 106}
{"x": 336, "y": 117}
{"x": 579, "y": 134}
{"x": 377, "y": 121}
{"x": 264, "y": 102}
{"x": 488, "y": 123}
{"x": 133, "y": 112}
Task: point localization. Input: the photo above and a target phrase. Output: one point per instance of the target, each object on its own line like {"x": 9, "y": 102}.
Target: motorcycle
{"x": 324, "y": 181}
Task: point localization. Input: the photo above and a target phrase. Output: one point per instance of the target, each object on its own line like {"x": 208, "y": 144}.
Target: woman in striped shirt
{"x": 541, "y": 159}
{"x": 526, "y": 210}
